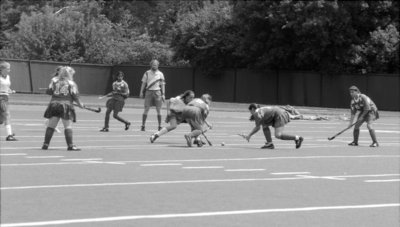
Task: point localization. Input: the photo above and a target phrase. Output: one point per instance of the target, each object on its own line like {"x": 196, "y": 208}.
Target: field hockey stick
{"x": 205, "y": 137}
{"x": 243, "y": 136}
{"x": 96, "y": 110}
{"x": 104, "y": 96}
{"x": 337, "y": 134}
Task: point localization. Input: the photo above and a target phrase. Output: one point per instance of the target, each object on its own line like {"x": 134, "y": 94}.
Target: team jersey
{"x": 266, "y": 115}
{"x": 205, "y": 109}
{"x": 176, "y": 104}
{"x": 63, "y": 90}
{"x": 5, "y": 85}
{"x": 362, "y": 103}
{"x": 153, "y": 80}
{"x": 120, "y": 89}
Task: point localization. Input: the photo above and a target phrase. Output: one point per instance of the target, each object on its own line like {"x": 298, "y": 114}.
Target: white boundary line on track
{"x": 162, "y": 164}
{"x": 244, "y": 170}
{"x": 13, "y": 154}
{"x": 200, "y": 214}
{"x": 202, "y": 167}
{"x": 206, "y": 160}
{"x": 195, "y": 181}
{"x": 289, "y": 173}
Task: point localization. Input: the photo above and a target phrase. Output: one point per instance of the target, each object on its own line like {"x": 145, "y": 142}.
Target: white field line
{"x": 200, "y": 214}
{"x": 163, "y": 164}
{"x": 380, "y": 181}
{"x": 290, "y": 173}
{"x": 202, "y": 167}
{"x": 240, "y": 180}
{"x": 13, "y": 154}
{"x": 210, "y": 160}
{"x": 244, "y": 170}
{"x": 44, "y": 157}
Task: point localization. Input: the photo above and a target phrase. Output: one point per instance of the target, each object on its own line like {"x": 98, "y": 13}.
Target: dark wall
{"x": 241, "y": 85}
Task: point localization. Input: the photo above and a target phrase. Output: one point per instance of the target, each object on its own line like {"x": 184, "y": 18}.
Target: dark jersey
{"x": 65, "y": 91}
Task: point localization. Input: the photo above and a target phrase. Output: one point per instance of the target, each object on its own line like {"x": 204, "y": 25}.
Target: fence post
{"x": 30, "y": 75}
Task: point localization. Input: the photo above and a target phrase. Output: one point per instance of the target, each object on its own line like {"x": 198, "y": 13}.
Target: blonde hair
{"x": 66, "y": 73}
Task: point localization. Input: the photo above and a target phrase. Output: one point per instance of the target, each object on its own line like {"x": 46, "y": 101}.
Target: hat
{"x": 354, "y": 88}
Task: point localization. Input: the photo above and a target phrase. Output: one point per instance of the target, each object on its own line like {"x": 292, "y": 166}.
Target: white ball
{"x": 222, "y": 144}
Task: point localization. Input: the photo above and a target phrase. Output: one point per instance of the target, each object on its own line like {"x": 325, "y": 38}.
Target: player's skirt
{"x": 281, "y": 118}
{"x": 115, "y": 104}
{"x": 174, "y": 115}
{"x": 3, "y": 108}
{"x": 153, "y": 98}
{"x": 64, "y": 111}
{"x": 371, "y": 116}
{"x": 192, "y": 115}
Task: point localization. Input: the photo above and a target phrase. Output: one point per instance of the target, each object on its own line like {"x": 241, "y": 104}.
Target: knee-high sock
{"x": 159, "y": 120}
{"x": 144, "y": 117}
{"x": 48, "y": 135}
{"x": 163, "y": 131}
{"x": 116, "y": 116}
{"x": 373, "y": 136}
{"x": 287, "y": 137}
{"x": 356, "y": 134}
{"x": 107, "y": 119}
{"x": 9, "y": 130}
{"x": 68, "y": 136}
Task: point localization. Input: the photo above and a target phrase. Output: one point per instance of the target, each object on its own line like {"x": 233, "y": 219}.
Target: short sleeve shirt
{"x": 153, "y": 80}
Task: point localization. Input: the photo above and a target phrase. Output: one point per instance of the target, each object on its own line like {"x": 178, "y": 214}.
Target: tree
{"x": 204, "y": 37}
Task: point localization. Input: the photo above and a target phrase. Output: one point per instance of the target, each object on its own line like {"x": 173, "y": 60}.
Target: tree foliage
{"x": 329, "y": 36}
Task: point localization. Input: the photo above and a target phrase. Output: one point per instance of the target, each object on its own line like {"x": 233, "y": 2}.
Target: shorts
{"x": 281, "y": 119}
{"x": 115, "y": 105}
{"x": 192, "y": 115}
{"x": 3, "y": 108}
{"x": 64, "y": 111}
{"x": 174, "y": 115}
{"x": 153, "y": 98}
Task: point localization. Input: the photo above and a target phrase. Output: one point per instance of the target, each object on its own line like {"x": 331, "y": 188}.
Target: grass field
{"x": 121, "y": 179}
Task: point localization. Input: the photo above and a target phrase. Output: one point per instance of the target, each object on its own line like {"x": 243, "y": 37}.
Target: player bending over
{"x": 195, "y": 114}
{"x": 271, "y": 116}
{"x": 368, "y": 113}
{"x": 174, "y": 109}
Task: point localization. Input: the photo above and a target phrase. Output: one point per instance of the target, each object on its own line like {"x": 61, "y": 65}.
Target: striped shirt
{"x": 153, "y": 80}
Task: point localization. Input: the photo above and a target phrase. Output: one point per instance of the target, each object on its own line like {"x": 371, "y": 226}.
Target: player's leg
{"x": 106, "y": 120}
{"x": 267, "y": 134}
{"x": 6, "y": 119}
{"x": 68, "y": 135}
{"x": 116, "y": 116}
{"x": 158, "y": 108}
{"x": 51, "y": 125}
{"x": 279, "y": 134}
{"x": 356, "y": 133}
{"x": 372, "y": 133}
{"x": 164, "y": 130}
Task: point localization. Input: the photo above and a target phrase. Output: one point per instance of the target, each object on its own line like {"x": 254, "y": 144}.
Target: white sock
{"x": 162, "y": 131}
{"x": 9, "y": 130}
{"x": 297, "y": 137}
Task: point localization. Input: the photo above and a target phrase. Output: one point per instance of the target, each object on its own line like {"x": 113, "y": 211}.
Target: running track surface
{"x": 121, "y": 179}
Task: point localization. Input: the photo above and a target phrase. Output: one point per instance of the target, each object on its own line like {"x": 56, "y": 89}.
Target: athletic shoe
{"x": 153, "y": 138}
{"x": 374, "y": 144}
{"x": 104, "y": 130}
{"x": 45, "y": 146}
{"x": 268, "y": 146}
{"x": 10, "y": 138}
{"x": 73, "y": 148}
{"x": 159, "y": 128}
{"x": 353, "y": 144}
{"x": 199, "y": 142}
{"x": 127, "y": 126}
{"x": 298, "y": 142}
{"x": 188, "y": 140}
{"x": 142, "y": 128}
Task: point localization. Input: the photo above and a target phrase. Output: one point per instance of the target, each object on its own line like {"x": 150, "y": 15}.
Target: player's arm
{"x": 254, "y": 131}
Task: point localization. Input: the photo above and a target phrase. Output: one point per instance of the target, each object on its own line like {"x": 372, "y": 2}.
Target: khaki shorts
{"x": 153, "y": 98}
